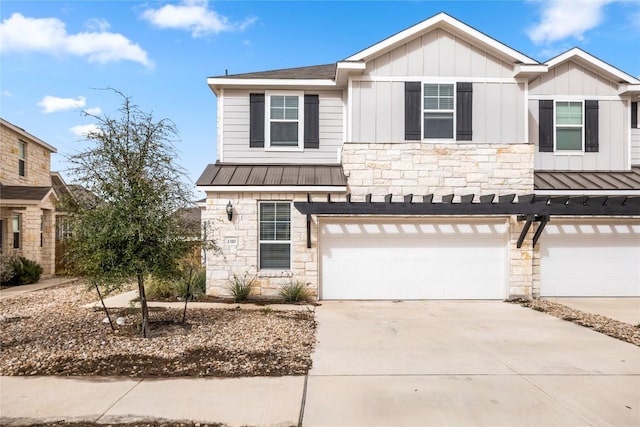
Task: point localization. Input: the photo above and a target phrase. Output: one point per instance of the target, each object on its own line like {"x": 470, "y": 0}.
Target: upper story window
{"x": 569, "y": 126}
{"x": 439, "y": 109}
{"x": 566, "y": 127}
{"x": 22, "y": 158}
{"x": 284, "y": 121}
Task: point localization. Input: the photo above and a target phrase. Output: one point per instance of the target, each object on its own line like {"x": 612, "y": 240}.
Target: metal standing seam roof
{"x": 319, "y": 72}
{"x": 595, "y": 180}
{"x": 272, "y": 175}
{"x": 23, "y": 192}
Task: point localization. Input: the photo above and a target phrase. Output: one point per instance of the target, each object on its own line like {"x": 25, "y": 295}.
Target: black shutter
{"x": 311, "y": 121}
{"x": 412, "y": 110}
{"x": 256, "y": 120}
{"x": 591, "y": 126}
{"x": 464, "y": 101}
{"x": 634, "y": 115}
{"x": 545, "y": 125}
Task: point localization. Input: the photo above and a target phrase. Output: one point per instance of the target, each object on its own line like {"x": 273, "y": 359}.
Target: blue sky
{"x": 55, "y": 56}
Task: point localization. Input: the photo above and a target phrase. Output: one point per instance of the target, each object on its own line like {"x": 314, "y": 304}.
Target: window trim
{"x": 22, "y": 158}
{"x": 453, "y": 111}
{"x": 555, "y": 127}
{"x": 289, "y": 242}
{"x": 267, "y": 121}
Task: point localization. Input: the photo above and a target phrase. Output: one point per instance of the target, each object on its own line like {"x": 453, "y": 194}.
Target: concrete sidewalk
{"x": 256, "y": 401}
{"x": 42, "y": 284}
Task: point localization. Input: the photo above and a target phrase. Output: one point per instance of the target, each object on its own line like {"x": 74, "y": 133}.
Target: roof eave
{"x": 27, "y": 135}
{"x": 273, "y": 188}
{"x": 591, "y": 61}
{"x": 216, "y": 83}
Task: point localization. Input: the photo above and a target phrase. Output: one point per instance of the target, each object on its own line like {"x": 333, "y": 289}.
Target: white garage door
{"x": 383, "y": 259}
{"x": 590, "y": 259}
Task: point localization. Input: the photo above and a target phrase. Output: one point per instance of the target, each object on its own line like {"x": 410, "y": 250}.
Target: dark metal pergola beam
{"x": 525, "y": 205}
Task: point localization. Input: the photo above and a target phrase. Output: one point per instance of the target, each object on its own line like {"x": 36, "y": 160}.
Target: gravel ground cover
{"x": 48, "y": 332}
{"x": 136, "y": 424}
{"x": 613, "y": 328}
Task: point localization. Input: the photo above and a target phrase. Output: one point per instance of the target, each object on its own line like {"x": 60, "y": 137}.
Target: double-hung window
{"x": 569, "y": 126}
{"x": 16, "y": 223}
{"x": 285, "y": 121}
{"x": 275, "y": 235}
{"x": 439, "y": 110}
{"x": 22, "y": 158}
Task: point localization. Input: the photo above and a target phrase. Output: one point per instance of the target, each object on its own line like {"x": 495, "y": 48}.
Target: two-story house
{"x": 27, "y": 198}
{"x": 438, "y": 163}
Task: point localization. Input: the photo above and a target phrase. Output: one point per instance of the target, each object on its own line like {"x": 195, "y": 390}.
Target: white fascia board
{"x": 352, "y": 65}
{"x": 272, "y": 189}
{"x": 441, "y": 18}
{"x": 529, "y": 70}
{"x": 592, "y": 60}
{"x": 587, "y": 192}
{"x": 216, "y": 83}
{"x": 633, "y": 89}
{"x": 346, "y": 69}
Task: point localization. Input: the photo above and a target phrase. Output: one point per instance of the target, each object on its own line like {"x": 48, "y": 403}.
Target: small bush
{"x": 20, "y": 271}
{"x": 241, "y": 286}
{"x": 198, "y": 285}
{"x": 295, "y": 291}
{"x": 157, "y": 288}
{"x": 6, "y": 269}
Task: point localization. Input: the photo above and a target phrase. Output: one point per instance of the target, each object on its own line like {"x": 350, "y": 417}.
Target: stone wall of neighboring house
{"x": 38, "y": 161}
{"x": 238, "y": 241}
{"x": 422, "y": 168}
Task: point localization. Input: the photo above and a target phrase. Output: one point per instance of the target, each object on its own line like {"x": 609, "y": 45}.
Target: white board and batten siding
{"x": 571, "y": 81}
{"x": 236, "y": 132}
{"x": 378, "y": 96}
{"x": 383, "y": 259}
{"x": 635, "y": 147}
{"x": 590, "y": 259}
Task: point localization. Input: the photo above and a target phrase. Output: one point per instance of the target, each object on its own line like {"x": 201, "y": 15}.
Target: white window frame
{"x": 453, "y": 112}
{"x": 22, "y": 157}
{"x": 17, "y": 217}
{"x": 289, "y": 242}
{"x": 267, "y": 121}
{"x": 555, "y": 127}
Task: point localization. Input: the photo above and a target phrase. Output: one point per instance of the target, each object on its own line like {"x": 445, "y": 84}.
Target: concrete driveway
{"x": 466, "y": 363}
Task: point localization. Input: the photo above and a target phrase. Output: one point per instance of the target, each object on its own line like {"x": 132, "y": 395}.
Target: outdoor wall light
{"x": 229, "y": 210}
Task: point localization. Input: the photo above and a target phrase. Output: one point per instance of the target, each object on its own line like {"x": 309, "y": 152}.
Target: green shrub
{"x": 295, "y": 291}
{"x": 6, "y": 269}
{"x": 156, "y": 288}
{"x": 198, "y": 285}
{"x": 241, "y": 286}
{"x": 21, "y": 271}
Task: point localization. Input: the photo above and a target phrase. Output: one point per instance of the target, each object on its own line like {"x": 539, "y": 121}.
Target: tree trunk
{"x": 104, "y": 306}
{"x": 143, "y": 306}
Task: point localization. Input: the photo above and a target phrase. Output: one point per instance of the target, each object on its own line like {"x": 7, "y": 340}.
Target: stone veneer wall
{"x": 422, "y": 168}
{"x": 242, "y": 256}
{"x": 38, "y": 161}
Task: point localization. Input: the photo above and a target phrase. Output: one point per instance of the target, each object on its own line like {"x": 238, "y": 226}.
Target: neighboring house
{"x": 27, "y": 199}
{"x": 436, "y": 164}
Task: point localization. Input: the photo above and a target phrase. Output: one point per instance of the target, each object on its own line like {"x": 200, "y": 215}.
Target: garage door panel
{"x": 378, "y": 260}
{"x": 590, "y": 260}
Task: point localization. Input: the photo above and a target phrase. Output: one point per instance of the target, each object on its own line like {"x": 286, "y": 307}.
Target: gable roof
{"x": 441, "y": 20}
{"x": 27, "y": 135}
{"x": 580, "y": 56}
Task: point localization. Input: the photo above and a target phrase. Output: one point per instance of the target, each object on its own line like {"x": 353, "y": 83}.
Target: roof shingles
{"x": 587, "y": 181}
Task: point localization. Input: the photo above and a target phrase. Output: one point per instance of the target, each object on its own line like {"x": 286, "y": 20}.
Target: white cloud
{"x": 83, "y": 130}
{"x": 194, "y": 16}
{"x": 52, "y": 104}
{"x": 97, "y": 24}
{"x": 93, "y": 111}
{"x": 562, "y": 19}
{"x": 49, "y": 35}
{"x": 6, "y": 93}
